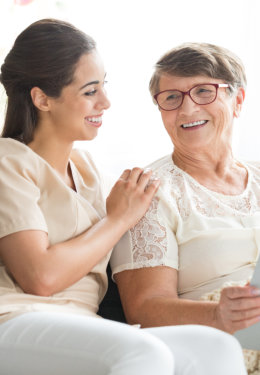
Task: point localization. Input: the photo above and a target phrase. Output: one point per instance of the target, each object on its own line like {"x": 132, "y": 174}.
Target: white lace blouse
{"x": 210, "y": 238}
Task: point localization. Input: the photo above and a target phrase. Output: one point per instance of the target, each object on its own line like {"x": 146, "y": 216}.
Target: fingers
{"x": 138, "y": 175}
{"x": 246, "y": 314}
{"x": 152, "y": 186}
{"x": 241, "y": 304}
{"x": 241, "y": 298}
{"x": 142, "y": 178}
{"x": 131, "y": 196}
{"x": 237, "y": 325}
{"x": 132, "y": 175}
{"x": 148, "y": 183}
{"x": 239, "y": 307}
{"x": 125, "y": 175}
{"x": 234, "y": 292}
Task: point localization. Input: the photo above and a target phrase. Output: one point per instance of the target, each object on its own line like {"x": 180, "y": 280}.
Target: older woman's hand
{"x": 238, "y": 308}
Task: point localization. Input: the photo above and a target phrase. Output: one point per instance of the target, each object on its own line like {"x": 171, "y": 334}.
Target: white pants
{"x": 40, "y": 343}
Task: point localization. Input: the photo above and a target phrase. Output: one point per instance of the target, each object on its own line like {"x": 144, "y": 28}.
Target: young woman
{"x": 56, "y": 235}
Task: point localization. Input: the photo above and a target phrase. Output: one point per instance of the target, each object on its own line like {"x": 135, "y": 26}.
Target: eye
{"x": 90, "y": 93}
{"x": 173, "y": 97}
{"x": 202, "y": 90}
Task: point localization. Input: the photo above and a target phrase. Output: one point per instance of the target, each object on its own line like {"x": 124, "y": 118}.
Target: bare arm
{"x": 149, "y": 297}
{"x": 44, "y": 270}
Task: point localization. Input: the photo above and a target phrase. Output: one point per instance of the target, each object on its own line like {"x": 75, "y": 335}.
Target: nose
{"x": 103, "y": 102}
{"x": 188, "y": 105}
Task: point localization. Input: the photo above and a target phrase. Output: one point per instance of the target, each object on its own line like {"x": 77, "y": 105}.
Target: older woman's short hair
{"x": 193, "y": 59}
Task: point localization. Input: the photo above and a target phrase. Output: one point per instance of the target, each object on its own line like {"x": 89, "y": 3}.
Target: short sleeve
{"x": 150, "y": 243}
{"x": 19, "y": 196}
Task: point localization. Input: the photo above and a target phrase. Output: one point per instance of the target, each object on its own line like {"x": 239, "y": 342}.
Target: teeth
{"x": 94, "y": 119}
{"x": 195, "y": 123}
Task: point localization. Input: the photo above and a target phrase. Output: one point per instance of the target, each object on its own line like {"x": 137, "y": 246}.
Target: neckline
{"x": 224, "y": 196}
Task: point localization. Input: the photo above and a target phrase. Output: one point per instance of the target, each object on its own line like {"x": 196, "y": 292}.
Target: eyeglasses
{"x": 202, "y": 94}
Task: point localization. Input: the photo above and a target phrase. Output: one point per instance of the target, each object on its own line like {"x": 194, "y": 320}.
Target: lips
{"x": 94, "y": 120}
{"x": 194, "y": 124}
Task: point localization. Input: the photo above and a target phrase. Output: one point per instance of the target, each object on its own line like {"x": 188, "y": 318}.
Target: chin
{"x": 86, "y": 137}
{"x": 89, "y": 138}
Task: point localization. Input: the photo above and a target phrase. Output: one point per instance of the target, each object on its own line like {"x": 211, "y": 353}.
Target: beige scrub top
{"x": 34, "y": 197}
{"x": 210, "y": 238}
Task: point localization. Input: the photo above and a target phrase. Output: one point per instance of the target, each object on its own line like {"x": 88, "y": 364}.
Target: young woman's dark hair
{"x": 44, "y": 55}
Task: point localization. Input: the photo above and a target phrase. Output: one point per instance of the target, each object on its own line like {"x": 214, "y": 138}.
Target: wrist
{"x": 117, "y": 224}
{"x": 218, "y": 319}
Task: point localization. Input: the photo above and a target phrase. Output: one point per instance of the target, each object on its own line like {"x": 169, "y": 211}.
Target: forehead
{"x": 169, "y": 82}
{"x": 89, "y": 68}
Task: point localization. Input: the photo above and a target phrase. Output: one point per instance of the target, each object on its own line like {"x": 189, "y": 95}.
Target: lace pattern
{"x": 184, "y": 195}
{"x": 190, "y": 195}
{"x": 149, "y": 238}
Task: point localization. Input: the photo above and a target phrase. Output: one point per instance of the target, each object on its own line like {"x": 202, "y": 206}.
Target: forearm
{"x": 76, "y": 257}
{"x": 50, "y": 269}
{"x": 161, "y": 311}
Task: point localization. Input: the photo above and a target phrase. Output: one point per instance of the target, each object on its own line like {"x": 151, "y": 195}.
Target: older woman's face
{"x": 196, "y": 127}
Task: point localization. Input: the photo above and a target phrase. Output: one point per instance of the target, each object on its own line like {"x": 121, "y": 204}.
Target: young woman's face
{"x": 77, "y": 113}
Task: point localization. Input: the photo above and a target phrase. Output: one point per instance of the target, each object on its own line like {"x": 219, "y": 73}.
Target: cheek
{"x": 223, "y": 119}
{"x": 85, "y": 105}
{"x": 169, "y": 121}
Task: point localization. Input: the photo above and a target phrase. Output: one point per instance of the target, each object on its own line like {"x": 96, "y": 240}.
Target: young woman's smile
{"x": 95, "y": 121}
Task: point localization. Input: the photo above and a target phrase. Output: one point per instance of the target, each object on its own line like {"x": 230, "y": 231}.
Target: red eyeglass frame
{"x": 183, "y": 93}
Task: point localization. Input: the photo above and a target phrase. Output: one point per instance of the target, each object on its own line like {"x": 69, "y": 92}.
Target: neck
{"x": 218, "y": 172}
{"x": 201, "y": 162}
{"x": 55, "y": 152}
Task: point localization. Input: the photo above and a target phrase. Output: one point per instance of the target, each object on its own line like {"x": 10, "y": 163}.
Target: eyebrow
{"x": 92, "y": 83}
{"x": 89, "y": 83}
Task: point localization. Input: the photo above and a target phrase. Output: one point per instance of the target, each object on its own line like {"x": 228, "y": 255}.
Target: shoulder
{"x": 161, "y": 164}
{"x": 9, "y": 146}
{"x": 78, "y": 154}
{"x": 165, "y": 168}
{"x": 255, "y": 165}
{"x": 254, "y": 168}
{"x": 171, "y": 177}
{"x": 85, "y": 166}
{"x": 15, "y": 155}
{"x": 83, "y": 160}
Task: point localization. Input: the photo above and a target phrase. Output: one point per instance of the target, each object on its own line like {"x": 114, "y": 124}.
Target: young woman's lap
{"x": 63, "y": 344}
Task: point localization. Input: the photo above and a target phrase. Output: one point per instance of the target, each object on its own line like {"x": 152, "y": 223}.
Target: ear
{"x": 40, "y": 99}
{"x": 239, "y": 100}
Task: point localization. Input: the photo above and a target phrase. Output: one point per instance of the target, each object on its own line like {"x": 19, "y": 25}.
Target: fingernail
{"x": 255, "y": 292}
{"x": 146, "y": 170}
{"x": 156, "y": 181}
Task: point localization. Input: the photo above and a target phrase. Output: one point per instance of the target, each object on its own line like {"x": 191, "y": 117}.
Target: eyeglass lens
{"x": 201, "y": 94}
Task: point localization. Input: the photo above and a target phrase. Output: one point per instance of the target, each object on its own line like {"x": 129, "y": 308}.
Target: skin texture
{"x": 149, "y": 295}
{"x": 44, "y": 269}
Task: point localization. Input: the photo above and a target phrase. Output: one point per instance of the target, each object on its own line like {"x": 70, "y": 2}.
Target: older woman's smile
{"x": 194, "y": 124}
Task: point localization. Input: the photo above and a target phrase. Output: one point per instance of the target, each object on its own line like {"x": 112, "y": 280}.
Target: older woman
{"x": 203, "y": 226}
